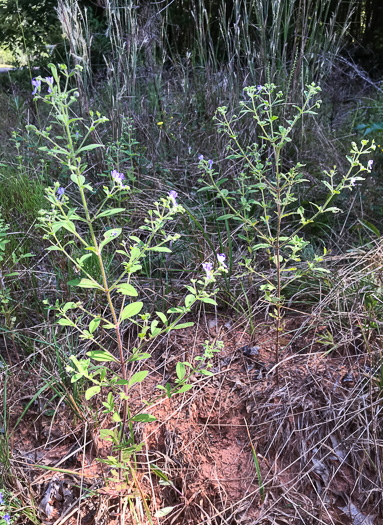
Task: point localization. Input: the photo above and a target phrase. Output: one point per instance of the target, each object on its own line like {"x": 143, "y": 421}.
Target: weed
{"x": 264, "y": 197}
{"x": 153, "y": 237}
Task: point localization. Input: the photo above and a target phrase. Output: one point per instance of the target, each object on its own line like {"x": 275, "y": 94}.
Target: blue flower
{"x": 221, "y": 259}
{"x": 208, "y": 267}
{"x": 1, "y": 499}
{"x": 60, "y": 192}
{"x": 369, "y": 164}
{"x": 118, "y": 178}
{"x": 7, "y": 519}
{"x": 36, "y": 83}
{"x": 173, "y": 195}
{"x": 210, "y": 164}
{"x": 200, "y": 158}
{"x": 50, "y": 81}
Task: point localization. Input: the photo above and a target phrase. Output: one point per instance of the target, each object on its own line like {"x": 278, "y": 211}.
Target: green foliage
{"x": 263, "y": 202}
{"x": 37, "y": 21}
{"x": 66, "y": 228}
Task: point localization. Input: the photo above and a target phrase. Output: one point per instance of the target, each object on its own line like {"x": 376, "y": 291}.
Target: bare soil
{"x": 309, "y": 426}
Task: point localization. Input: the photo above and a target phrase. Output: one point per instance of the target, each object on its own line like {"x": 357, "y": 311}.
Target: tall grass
{"x": 227, "y": 45}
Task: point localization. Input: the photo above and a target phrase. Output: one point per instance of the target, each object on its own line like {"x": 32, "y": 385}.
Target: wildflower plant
{"x": 5, "y": 518}
{"x": 263, "y": 201}
{"x": 108, "y": 369}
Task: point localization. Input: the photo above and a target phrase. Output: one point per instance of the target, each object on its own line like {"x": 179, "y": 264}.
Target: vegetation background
{"x": 304, "y": 423}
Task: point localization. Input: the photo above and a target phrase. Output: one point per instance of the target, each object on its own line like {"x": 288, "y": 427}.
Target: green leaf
{"x": 68, "y": 225}
{"x": 89, "y": 147}
{"x": 206, "y": 188}
{"x": 226, "y": 216}
{"x": 369, "y": 226}
{"x": 108, "y": 326}
{"x": 109, "y": 236}
{"x": 333, "y": 209}
{"x": 160, "y": 249}
{"x": 69, "y": 306}
{"x": 93, "y": 390}
{"x": 183, "y": 389}
{"x": 138, "y": 377}
{"x": 182, "y": 325}
{"x": 116, "y": 418}
{"x": 135, "y": 268}
{"x": 88, "y": 283}
{"x": 65, "y": 322}
{"x": 323, "y": 270}
{"x": 163, "y": 512}
{"x": 208, "y": 300}
{"x": 76, "y": 377}
{"x": 107, "y": 434}
{"x": 158, "y": 472}
{"x": 327, "y": 184}
{"x": 206, "y": 372}
{"x": 134, "y": 253}
{"x": 180, "y": 370}
{"x": 83, "y": 258}
{"x": 74, "y": 282}
{"x": 108, "y": 213}
{"x": 144, "y": 418}
{"x": 101, "y": 355}
{"x": 176, "y": 310}
{"x": 162, "y": 317}
{"x": 131, "y": 310}
{"x": 85, "y": 283}
{"x": 139, "y": 357}
{"x": 260, "y": 246}
{"x": 189, "y": 299}
{"x": 93, "y": 325}
{"x": 127, "y": 289}
{"x": 153, "y": 327}
{"x": 135, "y": 239}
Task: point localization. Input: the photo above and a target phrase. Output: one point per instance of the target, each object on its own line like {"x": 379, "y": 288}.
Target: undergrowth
{"x": 113, "y": 228}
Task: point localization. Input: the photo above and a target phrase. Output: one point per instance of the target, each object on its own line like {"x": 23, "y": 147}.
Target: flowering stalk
{"x": 62, "y": 218}
{"x": 265, "y": 198}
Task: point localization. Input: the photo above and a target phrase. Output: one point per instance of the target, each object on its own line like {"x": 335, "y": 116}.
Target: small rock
{"x": 250, "y": 351}
{"x": 212, "y": 324}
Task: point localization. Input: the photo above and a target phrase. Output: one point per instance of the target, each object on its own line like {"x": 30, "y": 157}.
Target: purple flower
{"x": 210, "y": 164}
{"x": 259, "y": 88}
{"x": 118, "y": 177}
{"x": 1, "y": 499}
{"x": 50, "y": 81}
{"x": 36, "y": 83}
{"x": 60, "y": 192}
{"x": 200, "y": 158}
{"x": 221, "y": 259}
{"x": 208, "y": 267}
{"x": 369, "y": 164}
{"x": 7, "y": 519}
{"x": 173, "y": 195}
{"x": 353, "y": 180}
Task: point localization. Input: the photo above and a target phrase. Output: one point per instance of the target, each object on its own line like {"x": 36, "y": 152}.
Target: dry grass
{"x": 316, "y": 435}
